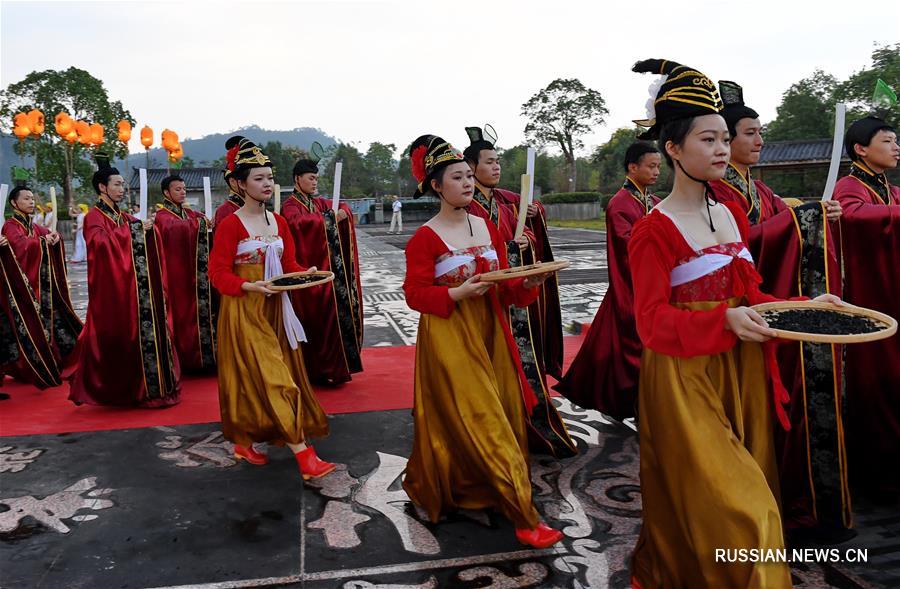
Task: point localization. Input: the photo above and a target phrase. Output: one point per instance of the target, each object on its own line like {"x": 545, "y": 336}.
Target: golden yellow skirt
{"x": 708, "y": 474}
{"x": 264, "y": 392}
{"x": 470, "y": 448}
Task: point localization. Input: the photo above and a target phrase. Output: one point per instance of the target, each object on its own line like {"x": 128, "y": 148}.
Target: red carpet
{"x": 386, "y": 383}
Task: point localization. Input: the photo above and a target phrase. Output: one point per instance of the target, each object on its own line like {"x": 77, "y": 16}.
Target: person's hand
{"x": 148, "y": 224}
{"x": 52, "y": 237}
{"x": 833, "y": 210}
{"x": 748, "y": 325}
{"x": 311, "y": 269}
{"x": 341, "y": 215}
{"x": 536, "y": 280}
{"x": 830, "y": 298}
{"x": 3, "y": 240}
{"x": 522, "y": 240}
{"x": 473, "y": 287}
{"x": 532, "y": 210}
{"x": 260, "y": 286}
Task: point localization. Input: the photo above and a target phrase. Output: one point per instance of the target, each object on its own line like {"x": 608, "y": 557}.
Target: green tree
{"x": 559, "y": 114}
{"x": 857, "y": 90}
{"x": 513, "y": 162}
{"x": 353, "y": 173}
{"x": 381, "y": 168}
{"x": 406, "y": 184}
{"x": 83, "y": 97}
{"x": 806, "y": 110}
{"x": 283, "y": 160}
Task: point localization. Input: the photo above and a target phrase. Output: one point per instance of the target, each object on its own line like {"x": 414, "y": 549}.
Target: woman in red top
{"x": 264, "y": 392}
{"x": 708, "y": 475}
{"x": 470, "y": 449}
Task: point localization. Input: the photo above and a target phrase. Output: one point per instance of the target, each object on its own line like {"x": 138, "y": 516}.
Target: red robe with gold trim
{"x": 185, "y": 239}
{"x": 871, "y": 247}
{"x": 604, "y": 374}
{"x": 126, "y": 356}
{"x": 331, "y": 314}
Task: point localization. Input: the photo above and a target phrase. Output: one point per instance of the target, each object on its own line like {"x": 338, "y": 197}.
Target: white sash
{"x": 453, "y": 262}
{"x": 703, "y": 265}
{"x": 292, "y": 326}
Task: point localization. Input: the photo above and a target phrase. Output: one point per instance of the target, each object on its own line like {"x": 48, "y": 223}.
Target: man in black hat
{"x": 331, "y": 314}
{"x": 126, "y": 351}
{"x": 871, "y": 246}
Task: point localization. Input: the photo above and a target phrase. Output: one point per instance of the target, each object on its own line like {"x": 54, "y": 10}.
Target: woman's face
{"x": 115, "y": 188}
{"x": 259, "y": 185}
{"x": 457, "y": 184}
{"x": 705, "y": 150}
{"x": 882, "y": 151}
{"x": 24, "y": 202}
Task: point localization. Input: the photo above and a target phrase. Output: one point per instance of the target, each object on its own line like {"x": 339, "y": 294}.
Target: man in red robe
{"x": 126, "y": 355}
{"x": 797, "y": 253}
{"x": 871, "y": 247}
{"x": 604, "y": 374}
{"x": 185, "y": 239}
{"x": 536, "y": 327}
{"x": 331, "y": 314}
{"x": 40, "y": 256}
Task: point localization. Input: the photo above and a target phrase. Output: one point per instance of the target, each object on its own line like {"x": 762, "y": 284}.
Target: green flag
{"x": 884, "y": 96}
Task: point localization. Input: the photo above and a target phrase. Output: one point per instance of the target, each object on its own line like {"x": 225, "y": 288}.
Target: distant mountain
{"x": 203, "y": 150}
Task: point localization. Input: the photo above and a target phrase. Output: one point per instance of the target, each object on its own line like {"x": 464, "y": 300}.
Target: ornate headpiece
{"x": 310, "y": 164}
{"x": 479, "y": 140}
{"x": 680, "y": 93}
{"x": 242, "y": 154}
{"x": 429, "y": 154}
{"x": 735, "y": 109}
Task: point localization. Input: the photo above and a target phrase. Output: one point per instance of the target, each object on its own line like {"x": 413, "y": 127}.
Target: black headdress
{"x": 683, "y": 93}
{"x": 243, "y": 154}
{"x": 104, "y": 171}
{"x": 478, "y": 140}
{"x": 310, "y": 164}
{"x": 735, "y": 109}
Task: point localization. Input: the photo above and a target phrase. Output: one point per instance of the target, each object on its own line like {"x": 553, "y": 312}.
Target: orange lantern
{"x": 96, "y": 134}
{"x": 146, "y": 137}
{"x": 21, "y": 120}
{"x": 21, "y": 132}
{"x": 64, "y": 124}
{"x": 84, "y": 132}
{"x": 177, "y": 153}
{"x": 124, "y": 131}
{"x": 71, "y": 136}
{"x": 36, "y": 118}
{"x": 169, "y": 140}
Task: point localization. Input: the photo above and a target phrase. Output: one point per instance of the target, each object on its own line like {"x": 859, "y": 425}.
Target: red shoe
{"x": 250, "y": 455}
{"x": 311, "y": 467}
{"x": 541, "y": 536}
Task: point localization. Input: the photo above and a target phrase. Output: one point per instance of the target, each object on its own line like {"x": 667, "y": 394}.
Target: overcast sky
{"x": 390, "y": 70}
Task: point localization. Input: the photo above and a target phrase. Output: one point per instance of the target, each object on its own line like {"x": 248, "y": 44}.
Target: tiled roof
{"x": 781, "y": 153}
{"x": 193, "y": 177}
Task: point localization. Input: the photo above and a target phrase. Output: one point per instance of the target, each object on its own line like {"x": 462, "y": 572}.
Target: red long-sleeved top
{"x": 230, "y": 232}
{"x": 423, "y": 295}
{"x": 656, "y": 246}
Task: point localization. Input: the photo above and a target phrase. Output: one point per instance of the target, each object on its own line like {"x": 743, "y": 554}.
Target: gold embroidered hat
{"x": 682, "y": 93}
{"x": 429, "y": 154}
{"x": 243, "y": 154}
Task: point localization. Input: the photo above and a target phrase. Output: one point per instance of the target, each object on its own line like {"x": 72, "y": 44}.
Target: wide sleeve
{"x": 221, "y": 259}
{"x": 289, "y": 256}
{"x": 662, "y": 327}
{"x": 858, "y": 207}
{"x": 422, "y": 294}
{"x": 511, "y": 292}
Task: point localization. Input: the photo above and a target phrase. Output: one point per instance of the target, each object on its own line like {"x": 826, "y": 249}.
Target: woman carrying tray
{"x": 470, "y": 449}
{"x": 264, "y": 392}
{"x": 708, "y": 474}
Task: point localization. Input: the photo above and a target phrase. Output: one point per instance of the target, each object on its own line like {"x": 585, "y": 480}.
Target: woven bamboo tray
{"x": 887, "y": 323}
{"x": 317, "y": 278}
{"x": 524, "y": 271}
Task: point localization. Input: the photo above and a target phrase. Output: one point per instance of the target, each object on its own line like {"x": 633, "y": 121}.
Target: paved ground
{"x": 168, "y": 506}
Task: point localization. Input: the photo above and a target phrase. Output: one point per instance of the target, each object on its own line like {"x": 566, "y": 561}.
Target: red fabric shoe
{"x": 541, "y": 536}
{"x": 250, "y": 455}
{"x": 311, "y": 467}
